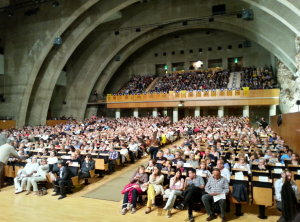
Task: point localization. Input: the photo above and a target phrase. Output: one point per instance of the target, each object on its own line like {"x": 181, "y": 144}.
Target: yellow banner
{"x": 222, "y": 93}
{"x": 150, "y": 96}
{"x": 139, "y": 97}
{"x": 246, "y": 91}
{"x": 190, "y": 94}
{"x": 213, "y": 93}
{"x": 183, "y": 93}
{"x": 177, "y": 95}
{"x": 164, "y": 95}
{"x": 157, "y": 95}
{"x": 238, "y": 92}
{"x": 114, "y": 98}
{"x": 171, "y": 94}
{"x": 206, "y": 93}
{"x": 145, "y": 96}
{"x": 108, "y": 97}
{"x": 229, "y": 92}
{"x": 126, "y": 97}
{"x": 198, "y": 93}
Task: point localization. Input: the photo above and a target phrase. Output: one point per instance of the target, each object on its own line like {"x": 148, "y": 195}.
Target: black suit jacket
{"x": 66, "y": 174}
{"x": 91, "y": 166}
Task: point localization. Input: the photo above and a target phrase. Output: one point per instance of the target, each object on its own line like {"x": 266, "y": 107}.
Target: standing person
{"x": 154, "y": 146}
{"x": 194, "y": 186}
{"x": 263, "y": 123}
{"x": 216, "y": 185}
{"x": 6, "y": 151}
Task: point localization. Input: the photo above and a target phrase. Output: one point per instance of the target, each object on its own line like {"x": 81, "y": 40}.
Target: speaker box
{"x": 247, "y": 14}
{"x": 219, "y": 9}
{"x": 118, "y": 57}
{"x": 298, "y": 102}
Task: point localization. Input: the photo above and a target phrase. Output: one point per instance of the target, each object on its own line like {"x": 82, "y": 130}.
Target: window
{"x": 209, "y": 49}
{"x": 220, "y": 48}
{"x": 240, "y": 46}
{"x": 200, "y": 49}
{"x": 173, "y": 53}
{"x": 229, "y": 46}
{"x": 155, "y": 54}
{"x": 165, "y": 54}
{"x": 181, "y": 51}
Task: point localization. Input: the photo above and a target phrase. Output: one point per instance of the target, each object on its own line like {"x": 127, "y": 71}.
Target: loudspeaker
{"x": 247, "y": 14}
{"x": 118, "y": 57}
{"x": 57, "y": 40}
{"x": 247, "y": 44}
{"x": 219, "y": 9}
{"x": 298, "y": 102}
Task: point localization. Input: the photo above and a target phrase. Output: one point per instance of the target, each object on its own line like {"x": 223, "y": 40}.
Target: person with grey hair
{"x": 6, "y": 151}
{"x": 193, "y": 163}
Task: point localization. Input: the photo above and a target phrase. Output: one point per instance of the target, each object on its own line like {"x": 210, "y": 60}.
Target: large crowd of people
{"x": 199, "y": 169}
{"x": 138, "y": 84}
{"x": 193, "y": 81}
{"x": 257, "y": 78}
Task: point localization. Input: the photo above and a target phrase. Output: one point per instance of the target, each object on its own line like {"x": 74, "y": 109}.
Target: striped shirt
{"x": 113, "y": 155}
{"x": 217, "y": 186}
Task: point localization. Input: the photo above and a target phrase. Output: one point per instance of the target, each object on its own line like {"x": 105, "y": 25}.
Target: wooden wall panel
{"x": 289, "y": 130}
{"x": 55, "y": 122}
{"x": 7, "y": 124}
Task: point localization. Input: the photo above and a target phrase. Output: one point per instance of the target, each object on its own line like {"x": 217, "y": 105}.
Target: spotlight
{"x": 211, "y": 19}
{"x": 138, "y": 30}
{"x": 184, "y": 23}
{"x": 11, "y": 14}
{"x": 117, "y": 32}
{"x": 57, "y": 41}
{"x": 55, "y": 4}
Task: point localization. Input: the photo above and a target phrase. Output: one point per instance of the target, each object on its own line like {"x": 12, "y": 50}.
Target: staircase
{"x": 234, "y": 80}
{"x": 152, "y": 85}
{"x": 230, "y": 81}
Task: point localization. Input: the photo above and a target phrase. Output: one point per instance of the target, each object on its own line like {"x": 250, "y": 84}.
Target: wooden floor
{"x": 20, "y": 207}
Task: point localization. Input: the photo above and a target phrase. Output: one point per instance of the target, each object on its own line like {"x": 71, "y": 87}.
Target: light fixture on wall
{"x": 180, "y": 104}
{"x": 55, "y": 4}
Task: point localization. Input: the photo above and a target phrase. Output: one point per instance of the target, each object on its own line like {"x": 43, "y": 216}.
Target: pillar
{"x": 118, "y": 113}
{"x": 246, "y": 111}
{"x": 225, "y": 111}
{"x": 205, "y": 64}
{"x": 136, "y": 112}
{"x": 272, "y": 112}
{"x": 186, "y": 66}
{"x": 175, "y": 114}
{"x": 169, "y": 66}
{"x": 205, "y": 112}
{"x": 165, "y": 112}
{"x": 186, "y": 112}
{"x": 197, "y": 111}
{"x": 154, "y": 112}
{"x": 225, "y": 63}
{"x": 90, "y": 111}
{"x": 221, "y": 111}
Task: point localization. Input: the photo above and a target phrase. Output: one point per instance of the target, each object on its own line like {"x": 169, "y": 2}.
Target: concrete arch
{"x": 38, "y": 112}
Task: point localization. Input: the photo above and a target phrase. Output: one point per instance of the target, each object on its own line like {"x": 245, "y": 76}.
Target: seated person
{"x": 40, "y": 175}
{"x": 242, "y": 164}
{"x": 160, "y": 160}
{"x": 208, "y": 154}
{"x": 74, "y": 158}
{"x": 24, "y": 174}
{"x": 268, "y": 154}
{"x": 177, "y": 158}
{"x": 285, "y": 176}
{"x": 224, "y": 171}
{"x": 124, "y": 153}
{"x": 216, "y": 185}
{"x": 203, "y": 170}
{"x": 52, "y": 159}
{"x": 44, "y": 152}
{"x": 262, "y": 164}
{"x": 176, "y": 188}
{"x": 179, "y": 166}
{"x": 193, "y": 163}
{"x": 287, "y": 156}
{"x": 194, "y": 186}
{"x": 295, "y": 159}
{"x": 168, "y": 154}
{"x": 133, "y": 150}
{"x": 273, "y": 159}
{"x": 155, "y": 187}
{"x": 168, "y": 166}
{"x": 138, "y": 178}
{"x": 87, "y": 165}
{"x": 63, "y": 179}
{"x": 151, "y": 165}
{"x": 112, "y": 159}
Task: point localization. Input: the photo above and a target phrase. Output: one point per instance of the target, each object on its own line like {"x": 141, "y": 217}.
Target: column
{"x": 272, "y": 112}
{"x": 154, "y": 112}
{"x": 118, "y": 113}
{"x": 225, "y": 63}
{"x": 221, "y": 111}
{"x": 136, "y": 112}
{"x": 246, "y": 111}
{"x": 165, "y": 112}
{"x": 225, "y": 111}
{"x": 186, "y": 112}
{"x": 175, "y": 114}
{"x": 186, "y": 66}
{"x": 205, "y": 64}
{"x": 90, "y": 111}
{"x": 205, "y": 112}
{"x": 197, "y": 111}
{"x": 169, "y": 66}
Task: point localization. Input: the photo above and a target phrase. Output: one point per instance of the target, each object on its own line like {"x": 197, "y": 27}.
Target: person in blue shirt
{"x": 287, "y": 156}
{"x": 168, "y": 154}
{"x": 273, "y": 137}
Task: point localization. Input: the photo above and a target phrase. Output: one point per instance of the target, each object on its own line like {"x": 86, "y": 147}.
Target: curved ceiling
{"x": 88, "y": 30}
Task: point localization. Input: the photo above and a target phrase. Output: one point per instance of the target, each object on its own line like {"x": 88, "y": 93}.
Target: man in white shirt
{"x": 124, "y": 153}
{"x": 52, "y": 159}
{"x": 285, "y": 175}
{"x": 224, "y": 171}
{"x": 133, "y": 149}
